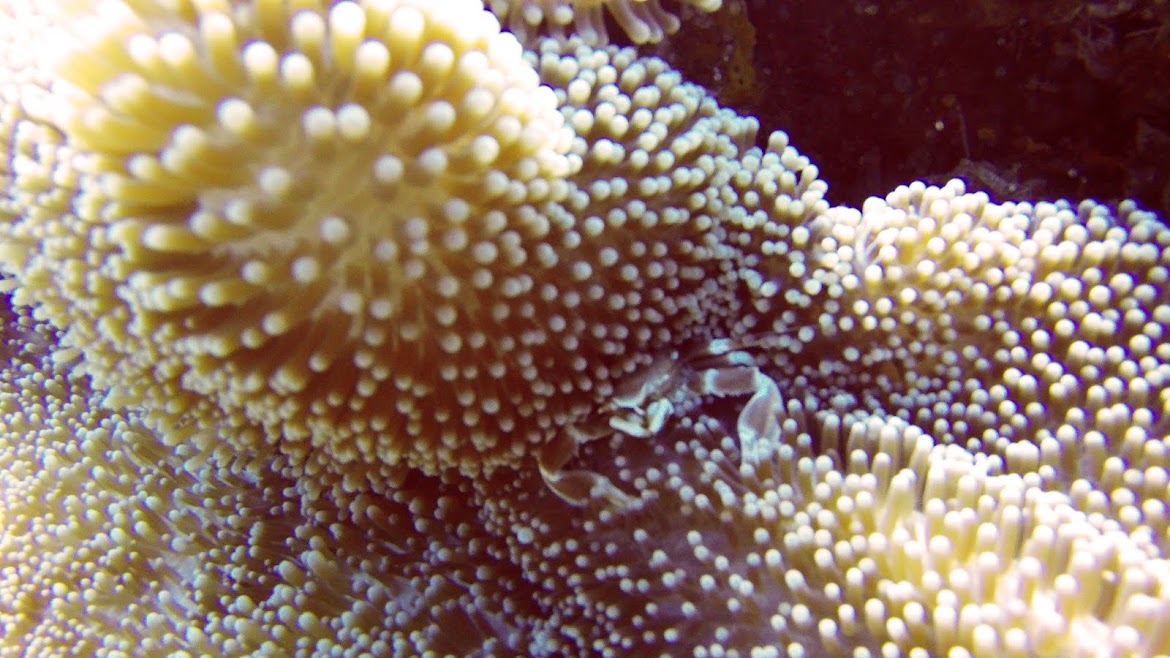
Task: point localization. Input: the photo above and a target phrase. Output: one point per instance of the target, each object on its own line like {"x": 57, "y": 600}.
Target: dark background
{"x": 1027, "y": 99}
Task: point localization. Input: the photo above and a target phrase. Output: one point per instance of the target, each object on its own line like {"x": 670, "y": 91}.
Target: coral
{"x": 1032, "y": 332}
{"x": 293, "y": 225}
{"x": 971, "y": 457}
{"x": 853, "y": 531}
{"x": 902, "y": 547}
{"x": 431, "y": 273}
{"x": 118, "y": 542}
{"x": 644, "y": 21}
{"x": 359, "y": 329}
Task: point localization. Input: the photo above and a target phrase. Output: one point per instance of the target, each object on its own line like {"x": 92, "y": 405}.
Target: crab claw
{"x": 727, "y": 381}
{"x": 757, "y": 425}
{"x": 578, "y": 487}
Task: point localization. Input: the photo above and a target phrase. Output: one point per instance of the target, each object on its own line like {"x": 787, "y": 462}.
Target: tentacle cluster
{"x": 367, "y": 234}
{"x": 298, "y": 292}
{"x": 643, "y": 21}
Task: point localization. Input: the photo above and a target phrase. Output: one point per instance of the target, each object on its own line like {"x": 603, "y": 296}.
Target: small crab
{"x": 671, "y": 385}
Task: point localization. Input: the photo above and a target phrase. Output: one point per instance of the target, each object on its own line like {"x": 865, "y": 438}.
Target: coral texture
{"x": 366, "y": 232}
{"x": 643, "y": 21}
{"x": 355, "y": 328}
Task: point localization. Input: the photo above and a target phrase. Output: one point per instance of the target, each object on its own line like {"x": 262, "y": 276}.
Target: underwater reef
{"x": 452, "y": 328}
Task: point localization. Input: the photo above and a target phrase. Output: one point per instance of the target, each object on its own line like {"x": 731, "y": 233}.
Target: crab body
{"x": 670, "y": 386}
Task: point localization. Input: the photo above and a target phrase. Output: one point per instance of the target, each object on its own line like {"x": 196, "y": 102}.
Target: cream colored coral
{"x": 113, "y": 542}
{"x": 644, "y": 21}
{"x": 691, "y": 233}
{"x": 930, "y": 548}
{"x": 82, "y": 533}
{"x": 919, "y": 502}
{"x": 278, "y": 304}
{"x": 116, "y": 542}
{"x": 904, "y": 547}
{"x": 297, "y": 212}
{"x": 429, "y": 273}
{"x": 1034, "y": 332}
{"x": 694, "y": 223}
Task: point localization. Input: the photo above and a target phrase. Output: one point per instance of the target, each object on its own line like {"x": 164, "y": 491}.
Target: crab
{"x": 670, "y": 386}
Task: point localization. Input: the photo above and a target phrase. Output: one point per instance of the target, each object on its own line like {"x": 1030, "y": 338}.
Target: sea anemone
{"x": 643, "y": 21}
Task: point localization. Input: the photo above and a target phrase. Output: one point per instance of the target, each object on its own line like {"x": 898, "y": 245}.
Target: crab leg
{"x": 578, "y": 488}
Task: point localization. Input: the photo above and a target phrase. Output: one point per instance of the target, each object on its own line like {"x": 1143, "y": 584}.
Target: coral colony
{"x": 372, "y": 328}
